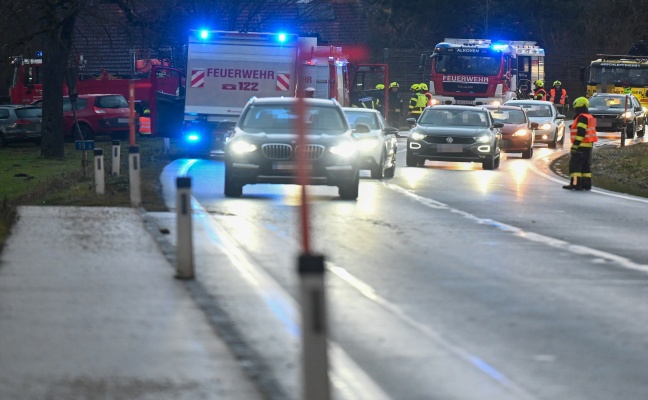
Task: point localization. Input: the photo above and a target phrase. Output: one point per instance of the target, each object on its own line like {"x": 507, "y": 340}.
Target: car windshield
{"x": 467, "y": 64}
{"x": 605, "y": 102}
{"x": 111, "y": 102}
{"x": 29, "y": 112}
{"x": 359, "y": 117}
{"x": 536, "y": 110}
{"x": 508, "y": 116}
{"x": 441, "y": 117}
{"x": 277, "y": 119}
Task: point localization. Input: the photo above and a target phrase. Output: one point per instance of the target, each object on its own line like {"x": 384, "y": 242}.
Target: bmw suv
{"x": 264, "y": 145}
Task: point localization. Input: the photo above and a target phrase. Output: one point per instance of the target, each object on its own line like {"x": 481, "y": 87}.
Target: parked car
{"x": 551, "y": 124}
{"x": 263, "y": 146}
{"x": 454, "y": 133}
{"x": 614, "y": 113}
{"x": 518, "y": 133}
{"x": 20, "y": 124}
{"x": 98, "y": 114}
{"x": 378, "y": 146}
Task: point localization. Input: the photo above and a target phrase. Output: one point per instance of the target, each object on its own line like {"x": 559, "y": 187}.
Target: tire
{"x": 232, "y": 187}
{"x": 562, "y": 139}
{"x": 554, "y": 143}
{"x": 411, "y": 160}
{"x": 391, "y": 171}
{"x": 496, "y": 164}
{"x": 87, "y": 133}
{"x": 379, "y": 171}
{"x": 642, "y": 132}
{"x": 349, "y": 191}
{"x": 488, "y": 165}
{"x": 528, "y": 153}
{"x": 630, "y": 131}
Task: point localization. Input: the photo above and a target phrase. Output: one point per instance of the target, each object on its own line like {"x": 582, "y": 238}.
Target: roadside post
{"x": 99, "y": 171}
{"x": 131, "y": 114}
{"x": 184, "y": 232}
{"x": 626, "y": 91}
{"x": 134, "y": 175}
{"x": 116, "y": 157}
{"x": 315, "y": 379}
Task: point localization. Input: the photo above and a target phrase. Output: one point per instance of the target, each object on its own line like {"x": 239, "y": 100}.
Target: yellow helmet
{"x": 393, "y": 84}
{"x": 581, "y": 102}
{"x": 147, "y": 111}
{"x": 423, "y": 86}
{"x": 416, "y": 86}
{"x": 539, "y": 83}
{"x": 380, "y": 86}
{"x": 557, "y": 83}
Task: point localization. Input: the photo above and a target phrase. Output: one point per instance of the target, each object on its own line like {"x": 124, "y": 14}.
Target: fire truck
{"x": 225, "y": 69}
{"x": 479, "y": 71}
{"x": 619, "y": 74}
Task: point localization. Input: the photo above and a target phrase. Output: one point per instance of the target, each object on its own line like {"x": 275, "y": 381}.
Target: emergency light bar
{"x": 280, "y": 37}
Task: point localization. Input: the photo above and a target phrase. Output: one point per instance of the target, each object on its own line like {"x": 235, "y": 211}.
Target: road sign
{"x": 84, "y": 144}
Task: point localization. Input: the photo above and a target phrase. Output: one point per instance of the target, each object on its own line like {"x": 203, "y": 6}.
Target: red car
{"x": 98, "y": 114}
{"x": 518, "y": 133}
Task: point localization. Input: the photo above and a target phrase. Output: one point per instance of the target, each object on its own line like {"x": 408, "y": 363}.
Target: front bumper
{"x": 610, "y": 123}
{"x": 468, "y": 152}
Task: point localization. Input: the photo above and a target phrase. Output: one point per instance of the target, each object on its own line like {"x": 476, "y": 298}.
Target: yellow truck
{"x": 618, "y": 74}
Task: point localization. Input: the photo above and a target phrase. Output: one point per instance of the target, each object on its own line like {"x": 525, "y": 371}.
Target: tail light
{"x": 99, "y": 111}
{"x": 22, "y": 122}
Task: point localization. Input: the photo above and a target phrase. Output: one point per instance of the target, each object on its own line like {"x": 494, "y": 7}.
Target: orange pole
{"x": 131, "y": 116}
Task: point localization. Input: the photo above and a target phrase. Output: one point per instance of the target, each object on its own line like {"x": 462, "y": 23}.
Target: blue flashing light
{"x": 282, "y": 37}
{"x": 193, "y": 137}
{"x": 204, "y": 34}
{"x": 499, "y": 47}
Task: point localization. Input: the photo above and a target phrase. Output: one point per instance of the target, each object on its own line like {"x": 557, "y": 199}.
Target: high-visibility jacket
{"x": 145, "y": 125}
{"x": 561, "y": 99}
{"x": 583, "y": 130}
{"x": 540, "y": 94}
{"x": 416, "y": 104}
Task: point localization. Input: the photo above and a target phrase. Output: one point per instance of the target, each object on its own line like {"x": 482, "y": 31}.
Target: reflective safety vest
{"x": 552, "y": 96}
{"x": 590, "y": 132}
{"x": 145, "y": 125}
{"x": 540, "y": 94}
{"x": 416, "y": 106}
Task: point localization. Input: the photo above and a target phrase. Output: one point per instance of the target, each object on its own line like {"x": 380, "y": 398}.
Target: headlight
{"x": 367, "y": 144}
{"x": 627, "y": 115}
{"x": 434, "y": 102}
{"x": 417, "y": 136}
{"x": 345, "y": 149}
{"x": 495, "y": 103}
{"x": 483, "y": 139}
{"x": 521, "y": 132}
{"x": 242, "y": 147}
{"x": 645, "y": 109}
{"x": 545, "y": 127}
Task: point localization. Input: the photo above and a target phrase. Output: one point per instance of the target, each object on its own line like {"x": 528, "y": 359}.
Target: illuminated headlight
{"x": 417, "y": 136}
{"x": 545, "y": 127}
{"x": 434, "y": 102}
{"x": 521, "y": 132}
{"x": 495, "y": 103}
{"x": 645, "y": 109}
{"x": 626, "y": 115}
{"x": 483, "y": 139}
{"x": 242, "y": 147}
{"x": 368, "y": 144}
{"x": 346, "y": 149}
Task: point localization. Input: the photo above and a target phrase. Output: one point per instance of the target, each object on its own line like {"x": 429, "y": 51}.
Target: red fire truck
{"x": 478, "y": 71}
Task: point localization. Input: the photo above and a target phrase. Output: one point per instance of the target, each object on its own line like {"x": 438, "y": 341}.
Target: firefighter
{"x": 539, "y": 92}
{"x": 145, "y": 123}
{"x": 415, "y": 107}
{"x": 428, "y": 95}
{"x": 558, "y": 96}
{"x": 395, "y": 105}
{"x": 380, "y": 98}
{"x": 583, "y": 136}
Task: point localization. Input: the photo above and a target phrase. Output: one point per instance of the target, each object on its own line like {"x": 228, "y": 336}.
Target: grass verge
{"x": 26, "y": 178}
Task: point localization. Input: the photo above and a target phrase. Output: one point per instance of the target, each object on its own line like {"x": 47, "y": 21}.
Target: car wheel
{"x": 562, "y": 138}
{"x": 528, "y": 153}
{"x": 642, "y": 131}
{"x": 391, "y": 171}
{"x": 411, "y": 160}
{"x": 378, "y": 171}
{"x": 349, "y": 191}
{"x": 630, "y": 131}
{"x": 489, "y": 164}
{"x": 85, "y": 131}
{"x": 232, "y": 187}
{"x": 554, "y": 143}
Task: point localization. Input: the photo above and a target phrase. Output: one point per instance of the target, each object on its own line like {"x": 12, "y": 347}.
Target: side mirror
{"x": 362, "y": 128}
{"x": 391, "y": 130}
{"x": 560, "y": 116}
{"x": 535, "y": 125}
{"x": 411, "y": 121}
{"x": 498, "y": 125}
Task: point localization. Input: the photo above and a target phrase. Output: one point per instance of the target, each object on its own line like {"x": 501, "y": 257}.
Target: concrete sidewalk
{"x": 89, "y": 309}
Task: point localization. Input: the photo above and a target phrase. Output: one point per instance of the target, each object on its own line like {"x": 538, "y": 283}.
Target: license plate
{"x": 604, "y": 124}
{"x": 449, "y": 148}
{"x": 284, "y": 165}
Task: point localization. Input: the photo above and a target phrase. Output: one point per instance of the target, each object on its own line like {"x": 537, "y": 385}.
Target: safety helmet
{"x": 393, "y": 84}
{"x": 557, "y": 83}
{"x": 424, "y": 86}
{"x": 380, "y": 86}
{"x": 581, "y": 102}
{"x": 416, "y": 86}
{"x": 147, "y": 111}
{"x": 539, "y": 83}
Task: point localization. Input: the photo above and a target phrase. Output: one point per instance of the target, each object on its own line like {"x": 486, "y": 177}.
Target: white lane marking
{"x": 184, "y": 170}
{"x": 348, "y": 378}
{"x": 457, "y": 351}
{"x": 532, "y": 236}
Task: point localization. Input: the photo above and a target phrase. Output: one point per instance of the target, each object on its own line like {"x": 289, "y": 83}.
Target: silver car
{"x": 20, "y": 124}
{"x": 551, "y": 124}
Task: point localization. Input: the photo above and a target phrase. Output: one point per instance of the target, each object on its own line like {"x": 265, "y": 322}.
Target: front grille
{"x": 313, "y": 151}
{"x": 606, "y": 117}
{"x": 443, "y": 139}
{"x": 277, "y": 151}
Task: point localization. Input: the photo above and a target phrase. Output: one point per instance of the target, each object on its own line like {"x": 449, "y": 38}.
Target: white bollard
{"x": 134, "y": 176}
{"x": 315, "y": 379}
{"x": 184, "y": 232}
{"x": 100, "y": 185}
{"x": 116, "y": 157}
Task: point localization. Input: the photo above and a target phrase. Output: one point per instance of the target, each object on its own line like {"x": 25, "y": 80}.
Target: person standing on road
{"x": 583, "y": 136}
{"x": 539, "y": 93}
{"x": 395, "y": 105}
{"x": 428, "y": 95}
{"x": 415, "y": 107}
{"x": 558, "y": 96}
{"x": 145, "y": 123}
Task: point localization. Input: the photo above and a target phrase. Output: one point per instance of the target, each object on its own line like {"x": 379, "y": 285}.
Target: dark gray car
{"x": 20, "y": 124}
{"x": 615, "y": 112}
{"x": 454, "y": 133}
